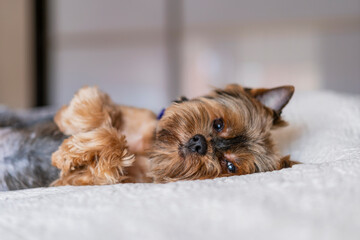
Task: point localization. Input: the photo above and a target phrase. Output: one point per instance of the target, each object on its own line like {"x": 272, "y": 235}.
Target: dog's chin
{"x": 175, "y": 168}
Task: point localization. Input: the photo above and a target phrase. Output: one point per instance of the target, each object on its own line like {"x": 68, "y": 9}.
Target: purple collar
{"x": 161, "y": 114}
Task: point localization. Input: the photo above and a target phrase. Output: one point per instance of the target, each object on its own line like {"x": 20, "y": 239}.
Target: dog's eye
{"x": 218, "y": 124}
{"x": 230, "y": 166}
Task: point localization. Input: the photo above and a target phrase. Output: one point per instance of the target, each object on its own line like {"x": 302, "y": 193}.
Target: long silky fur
{"x": 243, "y": 115}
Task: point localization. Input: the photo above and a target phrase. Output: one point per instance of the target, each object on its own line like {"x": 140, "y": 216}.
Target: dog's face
{"x": 224, "y": 133}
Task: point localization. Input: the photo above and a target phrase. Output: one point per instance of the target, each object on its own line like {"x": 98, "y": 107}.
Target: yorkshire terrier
{"x": 227, "y": 132}
{"x": 224, "y": 133}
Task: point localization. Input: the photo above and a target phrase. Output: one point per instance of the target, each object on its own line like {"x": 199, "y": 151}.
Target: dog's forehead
{"x": 198, "y": 107}
{"x": 201, "y": 112}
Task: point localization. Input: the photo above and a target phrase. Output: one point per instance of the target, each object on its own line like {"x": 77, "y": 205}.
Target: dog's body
{"x": 227, "y": 132}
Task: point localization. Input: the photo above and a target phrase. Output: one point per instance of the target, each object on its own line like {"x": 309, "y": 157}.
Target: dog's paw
{"x": 96, "y": 157}
{"x": 90, "y": 108}
{"x": 285, "y": 162}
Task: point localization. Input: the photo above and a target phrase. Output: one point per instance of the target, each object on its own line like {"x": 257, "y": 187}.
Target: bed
{"x": 319, "y": 199}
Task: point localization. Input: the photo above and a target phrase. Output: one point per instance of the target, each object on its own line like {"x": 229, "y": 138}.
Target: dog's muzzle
{"x": 197, "y": 144}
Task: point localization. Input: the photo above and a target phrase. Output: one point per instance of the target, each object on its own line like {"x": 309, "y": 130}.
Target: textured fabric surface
{"x": 319, "y": 199}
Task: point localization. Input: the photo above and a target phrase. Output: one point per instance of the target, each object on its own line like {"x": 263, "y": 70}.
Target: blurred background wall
{"x": 147, "y": 52}
{"x": 16, "y": 76}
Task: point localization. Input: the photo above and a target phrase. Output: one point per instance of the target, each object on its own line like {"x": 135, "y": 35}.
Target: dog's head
{"x": 224, "y": 133}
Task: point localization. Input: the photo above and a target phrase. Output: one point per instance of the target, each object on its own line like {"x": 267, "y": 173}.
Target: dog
{"x": 227, "y": 132}
{"x": 93, "y": 141}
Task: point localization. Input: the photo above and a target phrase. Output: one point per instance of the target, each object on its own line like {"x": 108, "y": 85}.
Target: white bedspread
{"x": 319, "y": 199}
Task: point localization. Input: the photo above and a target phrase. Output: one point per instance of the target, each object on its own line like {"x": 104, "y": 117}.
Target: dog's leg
{"x": 97, "y": 157}
{"x": 89, "y": 109}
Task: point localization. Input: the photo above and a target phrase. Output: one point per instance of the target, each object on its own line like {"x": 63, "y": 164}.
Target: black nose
{"x": 197, "y": 144}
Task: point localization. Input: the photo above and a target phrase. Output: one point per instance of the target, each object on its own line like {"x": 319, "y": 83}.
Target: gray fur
{"x": 26, "y": 144}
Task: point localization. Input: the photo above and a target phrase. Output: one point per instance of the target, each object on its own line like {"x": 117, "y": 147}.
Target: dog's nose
{"x": 197, "y": 144}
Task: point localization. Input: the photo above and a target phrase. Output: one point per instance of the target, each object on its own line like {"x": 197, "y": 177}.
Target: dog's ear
{"x": 273, "y": 98}
{"x": 181, "y": 99}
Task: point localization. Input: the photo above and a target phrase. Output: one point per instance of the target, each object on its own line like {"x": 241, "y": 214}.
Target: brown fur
{"x": 244, "y": 117}
{"x": 97, "y": 151}
{"x": 111, "y": 143}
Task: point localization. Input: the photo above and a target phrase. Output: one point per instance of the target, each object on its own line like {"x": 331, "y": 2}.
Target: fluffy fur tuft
{"x": 96, "y": 157}
{"x": 97, "y": 151}
{"x": 89, "y": 109}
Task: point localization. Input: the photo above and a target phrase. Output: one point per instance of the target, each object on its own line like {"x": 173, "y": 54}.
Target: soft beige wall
{"x": 123, "y": 47}
{"x": 16, "y": 86}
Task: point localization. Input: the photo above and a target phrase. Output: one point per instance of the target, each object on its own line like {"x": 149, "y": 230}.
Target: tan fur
{"x": 111, "y": 143}
{"x": 89, "y": 109}
{"x": 97, "y": 152}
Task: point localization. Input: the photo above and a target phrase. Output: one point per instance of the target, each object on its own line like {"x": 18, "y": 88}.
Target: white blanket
{"x": 319, "y": 199}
